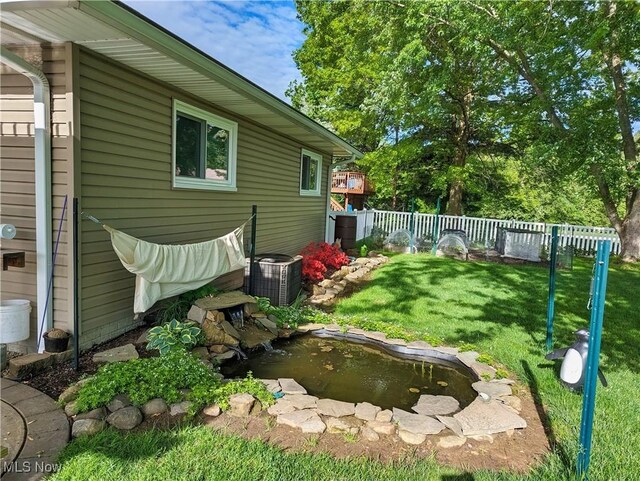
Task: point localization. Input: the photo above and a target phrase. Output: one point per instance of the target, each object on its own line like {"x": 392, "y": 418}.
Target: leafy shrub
{"x": 291, "y": 316}
{"x": 178, "y": 307}
{"x": 173, "y": 335}
{"x": 318, "y": 257}
{"x": 145, "y": 379}
{"x": 220, "y": 394}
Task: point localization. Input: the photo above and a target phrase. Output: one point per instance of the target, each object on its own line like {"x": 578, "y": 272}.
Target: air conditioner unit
{"x": 276, "y": 276}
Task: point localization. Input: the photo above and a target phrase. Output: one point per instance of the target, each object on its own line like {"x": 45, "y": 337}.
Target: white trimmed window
{"x": 204, "y": 149}
{"x": 310, "y": 173}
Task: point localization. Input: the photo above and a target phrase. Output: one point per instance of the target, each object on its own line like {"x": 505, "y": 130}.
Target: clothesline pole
{"x": 252, "y": 252}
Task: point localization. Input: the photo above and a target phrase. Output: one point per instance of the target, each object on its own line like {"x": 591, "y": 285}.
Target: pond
{"x": 352, "y": 371}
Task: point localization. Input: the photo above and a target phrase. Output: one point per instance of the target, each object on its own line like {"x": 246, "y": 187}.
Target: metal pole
{"x": 593, "y": 358}
{"x": 76, "y": 301}
{"x": 553, "y": 257}
{"x": 412, "y": 225}
{"x": 252, "y": 252}
{"x": 434, "y": 232}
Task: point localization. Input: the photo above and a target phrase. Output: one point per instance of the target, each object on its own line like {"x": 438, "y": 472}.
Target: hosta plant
{"x": 173, "y": 335}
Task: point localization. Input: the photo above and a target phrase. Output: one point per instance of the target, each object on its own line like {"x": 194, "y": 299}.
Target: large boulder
{"x": 87, "y": 427}
{"x": 125, "y": 418}
{"x": 98, "y": 413}
{"x": 240, "y": 404}
{"x": 155, "y": 407}
{"x": 69, "y": 394}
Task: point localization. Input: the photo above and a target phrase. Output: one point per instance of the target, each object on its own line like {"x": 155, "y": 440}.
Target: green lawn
{"x": 501, "y": 309}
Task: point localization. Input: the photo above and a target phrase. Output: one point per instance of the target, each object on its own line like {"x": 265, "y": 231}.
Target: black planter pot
{"x": 55, "y": 345}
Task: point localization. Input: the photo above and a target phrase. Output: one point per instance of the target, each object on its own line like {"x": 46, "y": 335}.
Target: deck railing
{"x": 350, "y": 183}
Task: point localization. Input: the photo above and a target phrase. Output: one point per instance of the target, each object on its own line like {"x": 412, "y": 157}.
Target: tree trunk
{"x": 461, "y": 139}
{"x": 630, "y": 234}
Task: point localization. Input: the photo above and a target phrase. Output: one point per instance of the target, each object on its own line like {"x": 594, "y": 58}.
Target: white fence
{"x": 584, "y": 239}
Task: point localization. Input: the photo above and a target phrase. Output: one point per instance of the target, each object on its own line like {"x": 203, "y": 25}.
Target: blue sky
{"x": 254, "y": 38}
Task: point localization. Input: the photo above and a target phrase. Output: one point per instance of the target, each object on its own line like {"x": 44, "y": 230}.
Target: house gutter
{"x": 42, "y": 124}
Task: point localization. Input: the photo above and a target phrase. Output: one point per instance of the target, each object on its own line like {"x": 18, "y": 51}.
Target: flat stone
{"x": 252, "y": 336}
{"x": 452, "y": 424}
{"x": 482, "y": 417}
{"x": 380, "y": 427}
{"x": 493, "y": 389}
{"x": 376, "y": 335}
{"x": 178, "y": 409}
{"x": 213, "y": 410}
{"x": 508, "y": 382}
{"x": 446, "y": 350}
{"x": 240, "y": 405}
{"x": 215, "y": 334}
{"x": 432, "y": 405}
{"x": 218, "y": 349}
{"x": 87, "y": 427}
{"x": 384, "y": 416}
{"x": 313, "y": 425}
{"x": 290, "y": 386}
{"x": 452, "y": 442}
{"x": 97, "y": 413}
{"x": 483, "y": 370}
{"x": 396, "y": 342}
{"x": 312, "y": 326}
{"x": 224, "y": 300}
{"x": 337, "y": 409}
{"x": 468, "y": 357}
{"x": 326, "y": 283}
{"x": 215, "y": 316}
{"x": 485, "y": 438}
{"x": 250, "y": 308}
{"x": 419, "y": 345}
{"x": 225, "y": 356}
{"x": 512, "y": 402}
{"x": 302, "y": 401}
{"x": 144, "y": 337}
{"x": 333, "y": 327}
{"x": 356, "y": 331}
{"x": 23, "y": 366}
{"x": 337, "y": 425}
{"x": 118, "y": 402}
{"x": 369, "y": 434}
{"x": 272, "y": 385}
{"x": 69, "y": 394}
{"x": 268, "y": 324}
{"x": 367, "y": 411}
{"x": 306, "y": 418}
{"x": 412, "y": 438}
{"x": 416, "y": 423}
{"x": 197, "y": 314}
{"x": 60, "y": 357}
{"x": 282, "y": 406}
{"x": 154, "y": 407}
{"x": 125, "y": 418}
{"x": 117, "y": 354}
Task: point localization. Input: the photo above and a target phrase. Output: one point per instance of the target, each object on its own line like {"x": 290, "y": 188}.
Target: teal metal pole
{"x": 551, "y": 304}
{"x": 434, "y": 231}
{"x": 593, "y": 358}
{"x": 411, "y": 225}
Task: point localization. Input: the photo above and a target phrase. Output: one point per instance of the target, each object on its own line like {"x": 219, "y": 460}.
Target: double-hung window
{"x": 310, "y": 173}
{"x": 204, "y": 149}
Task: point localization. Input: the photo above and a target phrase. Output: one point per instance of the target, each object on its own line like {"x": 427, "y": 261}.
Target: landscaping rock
{"x": 369, "y": 434}
{"x": 69, "y": 394}
{"x": 215, "y": 316}
{"x": 218, "y": 348}
{"x": 482, "y": 417}
{"x": 118, "y": 402}
{"x": 225, "y": 356}
{"x": 446, "y": 350}
{"x": 376, "y": 336}
{"x": 269, "y": 324}
{"x": 313, "y": 425}
{"x": 71, "y": 409}
{"x": 214, "y": 334}
{"x": 419, "y": 345}
{"x": 337, "y": 409}
{"x": 178, "y": 409}
{"x": 387, "y": 428}
{"x": 468, "y": 357}
{"x": 256, "y": 409}
{"x": 429, "y": 405}
{"x": 509, "y": 382}
{"x": 23, "y": 366}
{"x": 154, "y": 407}
{"x": 485, "y": 438}
{"x": 214, "y": 411}
{"x": 126, "y": 418}
{"x": 333, "y": 327}
{"x": 317, "y": 290}
{"x": 97, "y": 413}
{"x": 196, "y": 314}
{"x": 312, "y": 326}
{"x": 493, "y": 389}
{"x": 513, "y": 402}
{"x": 384, "y": 416}
{"x": 250, "y": 308}
{"x": 336, "y": 425}
{"x": 367, "y": 411}
{"x": 226, "y": 299}
{"x": 452, "y": 424}
{"x": 326, "y": 283}
{"x": 412, "y": 438}
{"x": 451, "y": 442}
{"x": 282, "y": 406}
{"x": 87, "y": 427}
{"x": 483, "y": 371}
{"x": 229, "y": 329}
{"x": 143, "y": 339}
{"x": 200, "y": 352}
{"x": 416, "y": 423}
{"x": 290, "y": 386}
{"x": 272, "y": 385}
{"x": 252, "y": 336}
{"x": 117, "y": 354}
{"x": 306, "y": 419}
{"x": 240, "y": 404}
{"x": 302, "y": 401}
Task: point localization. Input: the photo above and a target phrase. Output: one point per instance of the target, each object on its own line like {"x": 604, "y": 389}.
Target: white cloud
{"x": 254, "y": 38}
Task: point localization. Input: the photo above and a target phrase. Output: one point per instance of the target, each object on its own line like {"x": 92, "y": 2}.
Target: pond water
{"x": 356, "y": 372}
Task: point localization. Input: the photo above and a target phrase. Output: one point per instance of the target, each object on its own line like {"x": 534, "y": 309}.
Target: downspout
{"x": 42, "y": 124}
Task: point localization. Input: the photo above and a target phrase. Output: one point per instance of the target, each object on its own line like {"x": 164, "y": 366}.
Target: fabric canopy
{"x": 164, "y": 271}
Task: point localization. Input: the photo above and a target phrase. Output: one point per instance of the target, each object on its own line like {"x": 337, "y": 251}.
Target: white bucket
{"x": 14, "y": 320}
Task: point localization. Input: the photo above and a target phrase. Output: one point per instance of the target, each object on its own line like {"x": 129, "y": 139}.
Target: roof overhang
{"x": 122, "y": 34}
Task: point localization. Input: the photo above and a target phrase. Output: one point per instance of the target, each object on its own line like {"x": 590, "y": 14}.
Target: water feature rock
{"x": 218, "y": 348}
{"x": 87, "y": 427}
{"x": 196, "y": 314}
{"x": 376, "y": 336}
{"x": 229, "y": 329}
{"x": 493, "y": 389}
{"x": 302, "y": 401}
{"x": 214, "y": 334}
{"x": 282, "y": 406}
{"x": 513, "y": 402}
{"x": 452, "y": 442}
{"x": 121, "y": 353}
{"x": 337, "y": 425}
{"x": 269, "y": 324}
{"x": 488, "y": 417}
{"x": 412, "y": 438}
{"x": 369, "y": 434}
{"x": 483, "y": 370}
{"x": 379, "y": 427}
{"x": 272, "y": 385}
{"x": 290, "y": 386}
{"x": 200, "y": 352}
{"x": 468, "y": 357}
{"x": 451, "y": 423}
{"x": 118, "y": 402}
{"x": 154, "y": 407}
{"x": 240, "y": 404}
{"x": 384, "y": 416}
{"x": 432, "y": 405}
{"x": 307, "y": 420}
{"x": 226, "y": 299}
{"x": 225, "y": 356}
{"x": 416, "y": 423}
{"x": 126, "y": 418}
{"x": 446, "y": 350}
{"x": 337, "y": 409}
{"x": 178, "y": 409}
{"x": 98, "y": 413}
{"x": 312, "y": 326}
{"x": 252, "y": 336}
{"x": 367, "y": 411}
{"x": 212, "y": 410}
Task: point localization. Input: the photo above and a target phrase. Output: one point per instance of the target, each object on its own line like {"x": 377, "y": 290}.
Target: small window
{"x": 310, "y": 173}
{"x": 204, "y": 149}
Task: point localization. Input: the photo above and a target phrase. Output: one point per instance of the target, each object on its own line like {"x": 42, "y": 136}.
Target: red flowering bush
{"x": 318, "y": 257}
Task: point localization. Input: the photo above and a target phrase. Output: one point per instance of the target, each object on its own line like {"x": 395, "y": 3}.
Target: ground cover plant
{"x": 495, "y": 308}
